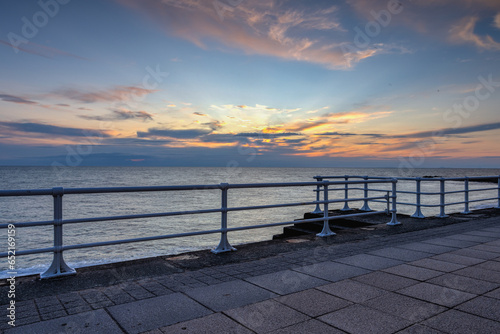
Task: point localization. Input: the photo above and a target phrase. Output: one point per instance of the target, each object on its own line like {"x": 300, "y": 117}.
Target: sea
{"x": 40, "y": 208}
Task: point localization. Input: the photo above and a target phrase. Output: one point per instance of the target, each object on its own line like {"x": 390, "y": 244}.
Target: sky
{"x": 271, "y": 83}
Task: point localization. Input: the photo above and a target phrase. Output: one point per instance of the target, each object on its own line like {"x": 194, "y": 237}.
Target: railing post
{"x": 442, "y": 202}
{"x": 498, "y": 206}
{"x": 224, "y": 245}
{"x": 326, "y": 226}
{"x": 318, "y": 187}
{"x": 365, "y": 207}
{"x": 346, "y": 195}
{"x": 58, "y": 266}
{"x": 388, "y": 199}
{"x": 394, "y": 218}
{"x": 418, "y": 212}
{"x": 466, "y": 196}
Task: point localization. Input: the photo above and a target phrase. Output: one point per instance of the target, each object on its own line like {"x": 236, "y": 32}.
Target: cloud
{"x": 463, "y": 32}
{"x": 41, "y": 50}
{"x": 173, "y": 133}
{"x": 52, "y": 130}
{"x": 452, "y": 131}
{"x": 266, "y": 135}
{"x": 199, "y": 114}
{"x": 116, "y": 94}
{"x": 307, "y": 33}
{"x": 496, "y": 21}
{"x": 119, "y": 115}
{"x": 15, "y": 99}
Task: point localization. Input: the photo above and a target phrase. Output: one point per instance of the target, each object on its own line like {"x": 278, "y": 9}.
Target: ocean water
{"x": 39, "y": 208}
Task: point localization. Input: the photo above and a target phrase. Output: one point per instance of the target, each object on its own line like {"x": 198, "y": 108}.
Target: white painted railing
{"x": 60, "y": 268}
{"x": 419, "y": 194}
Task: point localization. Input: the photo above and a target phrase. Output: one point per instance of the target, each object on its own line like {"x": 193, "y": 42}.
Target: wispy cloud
{"x": 53, "y": 130}
{"x": 452, "y": 131}
{"x": 15, "y": 99}
{"x": 120, "y": 115}
{"x": 41, "y": 50}
{"x": 463, "y": 32}
{"x": 116, "y": 94}
{"x": 309, "y": 33}
{"x": 496, "y": 21}
{"x": 173, "y": 133}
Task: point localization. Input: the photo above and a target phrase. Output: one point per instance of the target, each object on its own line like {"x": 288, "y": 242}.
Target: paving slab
{"x": 414, "y": 272}
{"x": 147, "y": 314}
{"x": 419, "y": 329}
{"x": 405, "y": 307}
{"x": 286, "y": 281}
{"x": 480, "y": 273}
{"x": 213, "y": 323}
{"x": 437, "y": 265}
{"x": 482, "y": 306}
{"x": 427, "y": 248}
{"x": 457, "y": 322}
{"x": 494, "y": 294}
{"x": 313, "y": 302}
{"x": 352, "y": 290}
{"x": 368, "y": 261}
{"x": 266, "y": 316}
{"x": 227, "y": 295}
{"x": 89, "y": 322}
{"x": 385, "y": 280}
{"x": 400, "y": 254}
{"x": 332, "y": 271}
{"x": 472, "y": 238}
{"x": 489, "y": 265}
{"x": 476, "y": 254}
{"x": 437, "y": 294}
{"x": 487, "y": 248}
{"x": 360, "y": 319}
{"x": 490, "y": 234}
{"x": 450, "y": 242}
{"x": 458, "y": 259}
{"x": 310, "y": 327}
{"x": 464, "y": 283}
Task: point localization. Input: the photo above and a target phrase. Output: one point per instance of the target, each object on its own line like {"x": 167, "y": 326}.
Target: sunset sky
{"x": 354, "y": 83}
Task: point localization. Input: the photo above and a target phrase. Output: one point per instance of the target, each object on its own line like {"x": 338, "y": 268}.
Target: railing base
{"x": 365, "y": 208}
{"x": 317, "y": 211}
{"x": 394, "y": 221}
{"x": 58, "y": 268}
{"x": 418, "y": 214}
{"x": 326, "y": 233}
{"x": 224, "y": 246}
{"x": 442, "y": 216}
{"x": 466, "y": 212}
{"x": 346, "y": 207}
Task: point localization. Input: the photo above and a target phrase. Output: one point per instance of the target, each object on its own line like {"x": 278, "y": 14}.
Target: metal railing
{"x": 418, "y": 192}
{"x": 59, "y": 267}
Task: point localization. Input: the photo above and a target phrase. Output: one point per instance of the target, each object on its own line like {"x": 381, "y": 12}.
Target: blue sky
{"x": 252, "y": 83}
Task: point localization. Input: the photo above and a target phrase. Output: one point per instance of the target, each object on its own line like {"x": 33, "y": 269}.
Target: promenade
{"x": 398, "y": 279}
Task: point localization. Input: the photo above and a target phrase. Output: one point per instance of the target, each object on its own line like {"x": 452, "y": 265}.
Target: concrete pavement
{"x": 439, "y": 280}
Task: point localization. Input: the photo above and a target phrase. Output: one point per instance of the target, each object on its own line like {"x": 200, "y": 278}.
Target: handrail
{"x": 418, "y": 193}
{"x": 59, "y": 267}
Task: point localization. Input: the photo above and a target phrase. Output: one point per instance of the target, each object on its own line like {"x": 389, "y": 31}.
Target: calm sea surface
{"x": 39, "y": 208}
